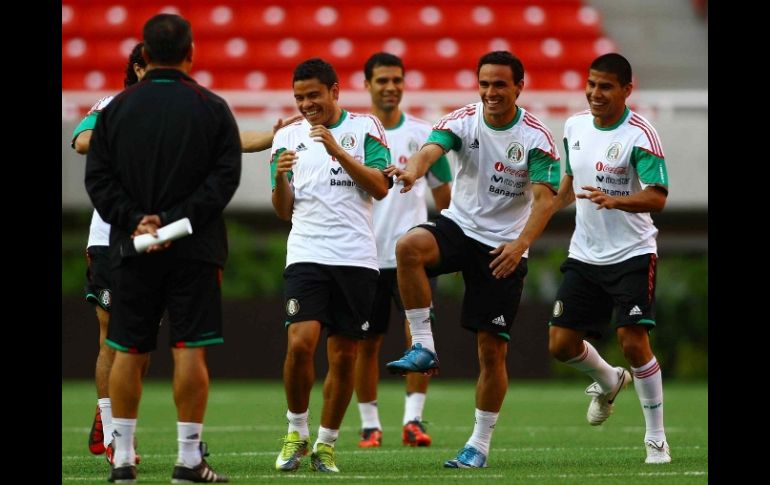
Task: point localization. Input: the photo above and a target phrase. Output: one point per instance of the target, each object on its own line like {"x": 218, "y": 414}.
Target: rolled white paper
{"x": 169, "y": 232}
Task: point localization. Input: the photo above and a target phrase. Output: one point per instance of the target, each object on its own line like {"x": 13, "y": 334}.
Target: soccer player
{"x": 325, "y": 171}
{"x": 508, "y": 173}
{"x": 162, "y": 150}
{"x": 393, "y": 216}
{"x": 98, "y": 285}
{"x": 616, "y": 169}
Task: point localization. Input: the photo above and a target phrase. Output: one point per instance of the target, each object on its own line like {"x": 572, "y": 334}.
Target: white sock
{"x": 482, "y": 431}
{"x": 105, "y": 409}
{"x": 592, "y": 364}
{"x": 327, "y": 436}
{"x": 419, "y": 326}
{"x": 413, "y": 405}
{"x": 123, "y": 441}
{"x": 298, "y": 422}
{"x": 188, "y": 438}
{"x": 648, "y": 383}
{"x": 370, "y": 418}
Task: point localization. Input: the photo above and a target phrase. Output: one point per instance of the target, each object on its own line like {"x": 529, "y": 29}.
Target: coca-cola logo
{"x": 601, "y": 167}
{"x": 500, "y": 167}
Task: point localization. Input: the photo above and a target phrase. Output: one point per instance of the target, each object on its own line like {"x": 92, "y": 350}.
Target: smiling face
{"x": 498, "y": 92}
{"x": 316, "y": 101}
{"x": 606, "y": 97}
{"x": 386, "y": 87}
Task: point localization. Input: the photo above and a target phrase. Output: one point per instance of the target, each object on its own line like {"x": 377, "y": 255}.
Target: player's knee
{"x": 301, "y": 350}
{"x": 408, "y": 251}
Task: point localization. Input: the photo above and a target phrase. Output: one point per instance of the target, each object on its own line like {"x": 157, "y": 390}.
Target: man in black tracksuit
{"x": 164, "y": 149}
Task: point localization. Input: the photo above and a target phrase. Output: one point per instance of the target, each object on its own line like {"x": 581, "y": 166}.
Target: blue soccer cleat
{"x": 468, "y": 457}
{"x": 416, "y": 359}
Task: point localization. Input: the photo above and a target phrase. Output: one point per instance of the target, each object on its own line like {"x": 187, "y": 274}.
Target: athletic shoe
{"x": 322, "y": 459}
{"x": 110, "y": 452}
{"x": 657, "y": 452}
{"x": 414, "y": 434}
{"x": 602, "y": 403}
{"x": 293, "y": 449}
{"x": 96, "y": 436}
{"x": 124, "y": 474}
{"x": 416, "y": 359}
{"x": 370, "y": 438}
{"x": 468, "y": 457}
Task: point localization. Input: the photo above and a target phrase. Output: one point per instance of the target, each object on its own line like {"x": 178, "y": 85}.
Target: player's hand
{"x": 149, "y": 225}
{"x": 402, "y": 176}
{"x": 285, "y": 163}
{"x": 508, "y": 257}
{"x": 595, "y": 195}
{"x": 321, "y": 134}
{"x": 281, "y": 123}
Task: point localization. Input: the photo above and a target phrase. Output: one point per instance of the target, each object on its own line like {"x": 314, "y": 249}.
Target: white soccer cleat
{"x": 602, "y": 403}
{"x": 657, "y": 452}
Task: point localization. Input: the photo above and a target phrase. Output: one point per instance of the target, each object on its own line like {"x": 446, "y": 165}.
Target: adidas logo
{"x": 365, "y": 326}
{"x": 300, "y": 148}
{"x": 576, "y": 146}
{"x": 499, "y": 321}
{"x": 474, "y": 145}
{"x": 635, "y": 311}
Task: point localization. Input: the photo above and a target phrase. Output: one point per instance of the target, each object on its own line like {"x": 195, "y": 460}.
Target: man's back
{"x": 174, "y": 147}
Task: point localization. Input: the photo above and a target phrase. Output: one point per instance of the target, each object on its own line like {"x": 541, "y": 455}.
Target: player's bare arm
{"x": 368, "y": 178}
{"x": 566, "y": 195}
{"x": 256, "y": 141}
{"x": 417, "y": 166}
{"x": 509, "y": 254}
{"x": 651, "y": 199}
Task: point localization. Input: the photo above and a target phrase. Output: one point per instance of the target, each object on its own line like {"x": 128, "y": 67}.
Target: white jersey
{"x": 332, "y": 216}
{"x": 619, "y": 160}
{"x": 492, "y": 193}
{"x": 397, "y": 212}
{"x": 99, "y": 234}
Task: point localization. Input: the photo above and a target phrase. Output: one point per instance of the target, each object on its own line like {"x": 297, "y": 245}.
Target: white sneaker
{"x": 657, "y": 452}
{"x": 602, "y": 403}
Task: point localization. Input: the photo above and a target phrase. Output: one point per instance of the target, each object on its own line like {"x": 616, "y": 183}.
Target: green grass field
{"x": 541, "y": 436}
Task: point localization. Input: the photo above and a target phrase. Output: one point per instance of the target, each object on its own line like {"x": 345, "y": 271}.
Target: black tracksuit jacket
{"x": 165, "y": 146}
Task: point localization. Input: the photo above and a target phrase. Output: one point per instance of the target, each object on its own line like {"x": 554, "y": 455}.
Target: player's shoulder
{"x": 579, "y": 117}
{"x": 291, "y": 128}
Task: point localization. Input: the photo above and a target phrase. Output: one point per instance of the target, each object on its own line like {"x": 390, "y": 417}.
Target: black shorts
{"x": 590, "y": 296}
{"x": 387, "y": 290}
{"x": 98, "y": 277}
{"x": 147, "y": 285}
{"x": 340, "y": 297}
{"x": 489, "y": 304}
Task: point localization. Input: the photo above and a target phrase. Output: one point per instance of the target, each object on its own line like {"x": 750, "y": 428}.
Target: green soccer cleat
{"x": 294, "y": 448}
{"x": 322, "y": 459}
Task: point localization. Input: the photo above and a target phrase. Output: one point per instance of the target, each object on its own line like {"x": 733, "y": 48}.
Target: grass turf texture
{"x": 541, "y": 437}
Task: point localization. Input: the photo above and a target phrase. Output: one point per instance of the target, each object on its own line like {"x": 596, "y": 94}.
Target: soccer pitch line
{"x": 458, "y": 477}
{"x": 544, "y": 449}
{"x": 348, "y": 429}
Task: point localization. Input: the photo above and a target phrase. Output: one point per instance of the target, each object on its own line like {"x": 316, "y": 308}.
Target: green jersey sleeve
{"x": 650, "y": 167}
{"x": 446, "y": 139}
{"x": 85, "y": 124}
{"x": 376, "y": 155}
{"x": 543, "y": 168}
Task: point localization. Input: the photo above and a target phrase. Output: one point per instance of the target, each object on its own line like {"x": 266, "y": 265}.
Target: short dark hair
{"x": 381, "y": 59}
{"x": 614, "y": 63}
{"x": 167, "y": 39}
{"x": 134, "y": 58}
{"x": 316, "y": 68}
{"x": 503, "y": 58}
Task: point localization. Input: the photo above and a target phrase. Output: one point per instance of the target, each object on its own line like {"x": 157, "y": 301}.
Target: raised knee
{"x": 407, "y": 252}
